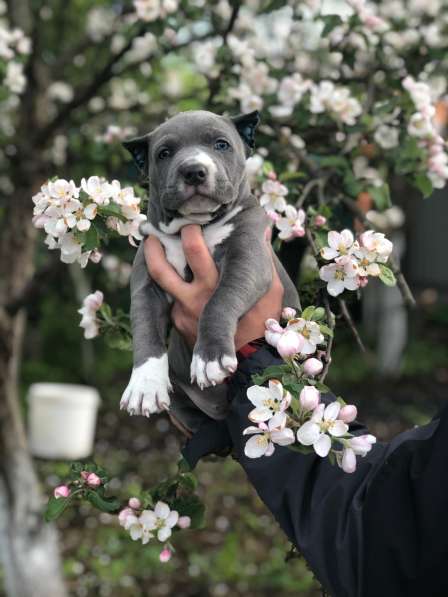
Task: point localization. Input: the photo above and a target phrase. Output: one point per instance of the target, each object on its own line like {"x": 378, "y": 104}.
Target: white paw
{"x": 147, "y": 391}
{"x": 210, "y": 373}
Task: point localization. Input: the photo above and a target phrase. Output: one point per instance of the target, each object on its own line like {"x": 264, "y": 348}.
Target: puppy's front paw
{"x": 147, "y": 391}
{"x": 211, "y": 370}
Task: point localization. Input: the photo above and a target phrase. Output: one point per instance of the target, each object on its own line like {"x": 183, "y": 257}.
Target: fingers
{"x": 161, "y": 270}
{"x": 198, "y": 256}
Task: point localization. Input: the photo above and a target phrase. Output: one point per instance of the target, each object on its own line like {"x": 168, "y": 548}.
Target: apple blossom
{"x": 341, "y": 275}
{"x": 288, "y": 313}
{"x": 165, "y": 555}
{"x": 62, "y": 491}
{"x": 376, "y": 242}
{"x": 348, "y": 413}
{"x": 161, "y": 520}
{"x": 134, "y": 503}
{"x": 312, "y": 367}
{"x": 137, "y": 527}
{"x": 309, "y": 330}
{"x": 362, "y": 444}
{"x": 91, "y": 304}
{"x": 292, "y": 225}
{"x": 273, "y": 196}
{"x": 123, "y": 515}
{"x": 289, "y": 344}
{"x": 273, "y": 331}
{"x": 320, "y": 220}
{"x": 266, "y": 435}
{"x": 268, "y": 401}
{"x": 309, "y": 398}
{"x": 323, "y": 425}
{"x": 340, "y": 243}
{"x": 184, "y": 522}
{"x": 93, "y": 480}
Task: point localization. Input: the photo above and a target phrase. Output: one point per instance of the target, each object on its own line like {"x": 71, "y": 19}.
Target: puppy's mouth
{"x": 199, "y": 208}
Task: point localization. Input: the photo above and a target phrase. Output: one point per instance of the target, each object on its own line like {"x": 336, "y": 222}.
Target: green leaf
{"x": 118, "y": 339}
{"x": 381, "y": 196}
{"x": 387, "y": 275}
{"x": 183, "y": 466}
{"x": 91, "y": 239}
{"x": 274, "y": 371}
{"x": 105, "y": 504}
{"x": 308, "y": 312}
{"x": 56, "y": 507}
{"x": 191, "y": 506}
{"x": 286, "y": 176}
{"x": 322, "y": 387}
{"x": 325, "y": 330}
{"x": 424, "y": 184}
{"x": 318, "y": 314}
{"x": 332, "y": 161}
{"x": 188, "y": 481}
{"x": 111, "y": 210}
{"x": 331, "y": 22}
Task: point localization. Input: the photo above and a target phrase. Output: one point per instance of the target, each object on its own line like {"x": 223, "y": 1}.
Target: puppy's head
{"x": 195, "y": 162}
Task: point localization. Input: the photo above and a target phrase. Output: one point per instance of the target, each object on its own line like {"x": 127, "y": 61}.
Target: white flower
{"x": 273, "y": 195}
{"x": 387, "y": 136}
{"x": 420, "y": 126}
{"x": 123, "y": 196}
{"x": 268, "y": 401}
{"x": 61, "y": 218}
{"x": 15, "y": 79}
{"x": 137, "y": 529}
{"x": 367, "y": 265}
{"x": 273, "y": 331}
{"x": 291, "y": 225}
{"x": 265, "y": 436}
{"x": 60, "y": 91}
{"x": 61, "y": 189}
{"x": 161, "y": 520}
{"x": 310, "y": 332}
{"x": 362, "y": 170}
{"x": 98, "y": 189}
{"x": 340, "y": 275}
{"x": 90, "y": 306}
{"x": 340, "y": 243}
{"x": 359, "y": 445}
{"x": 323, "y": 421}
{"x": 376, "y": 242}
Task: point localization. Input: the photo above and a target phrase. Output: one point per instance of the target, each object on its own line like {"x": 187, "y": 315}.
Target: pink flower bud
{"x": 184, "y": 522}
{"x": 62, "y": 491}
{"x": 309, "y": 398}
{"x": 123, "y": 514}
{"x": 348, "y": 461}
{"x": 312, "y": 367}
{"x": 93, "y": 480}
{"x": 165, "y": 555}
{"x": 134, "y": 503}
{"x": 288, "y": 313}
{"x": 272, "y": 175}
{"x": 348, "y": 413}
{"x": 84, "y": 475}
{"x": 320, "y": 220}
{"x": 94, "y": 301}
{"x": 289, "y": 344}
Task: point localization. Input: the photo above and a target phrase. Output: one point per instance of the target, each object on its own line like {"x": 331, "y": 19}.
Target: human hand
{"x": 191, "y": 297}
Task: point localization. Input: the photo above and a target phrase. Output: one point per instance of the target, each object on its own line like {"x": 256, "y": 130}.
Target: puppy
{"x": 195, "y": 162}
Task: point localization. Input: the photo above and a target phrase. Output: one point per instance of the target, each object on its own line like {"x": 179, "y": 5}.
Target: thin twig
{"x": 306, "y": 191}
{"x": 348, "y": 318}
{"x": 406, "y": 292}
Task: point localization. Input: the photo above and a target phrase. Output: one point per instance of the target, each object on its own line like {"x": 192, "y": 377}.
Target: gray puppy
{"x": 195, "y": 162}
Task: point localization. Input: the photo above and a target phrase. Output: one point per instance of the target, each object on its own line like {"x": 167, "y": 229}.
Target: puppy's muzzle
{"x": 193, "y": 173}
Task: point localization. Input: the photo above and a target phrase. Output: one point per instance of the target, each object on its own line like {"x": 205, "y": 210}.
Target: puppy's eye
{"x": 221, "y": 145}
{"x": 164, "y": 153}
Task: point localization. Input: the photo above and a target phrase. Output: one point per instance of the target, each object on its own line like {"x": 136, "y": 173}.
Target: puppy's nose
{"x": 194, "y": 174}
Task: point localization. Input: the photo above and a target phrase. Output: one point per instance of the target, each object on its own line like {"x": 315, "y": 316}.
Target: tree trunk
{"x": 28, "y": 545}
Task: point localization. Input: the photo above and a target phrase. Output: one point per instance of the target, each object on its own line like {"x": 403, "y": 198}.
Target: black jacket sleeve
{"x": 381, "y": 531}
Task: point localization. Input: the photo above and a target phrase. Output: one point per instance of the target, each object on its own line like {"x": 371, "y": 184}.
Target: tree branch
{"x": 351, "y": 324}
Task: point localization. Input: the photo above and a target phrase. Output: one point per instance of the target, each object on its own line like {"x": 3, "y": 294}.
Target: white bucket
{"x": 61, "y": 420}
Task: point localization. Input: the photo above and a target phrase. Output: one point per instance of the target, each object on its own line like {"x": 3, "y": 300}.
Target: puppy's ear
{"x": 139, "y": 149}
{"x": 245, "y": 125}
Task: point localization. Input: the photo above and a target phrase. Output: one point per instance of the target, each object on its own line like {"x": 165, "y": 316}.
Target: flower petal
{"x": 162, "y": 510}
{"x": 257, "y": 395}
{"x": 332, "y": 411}
{"x": 172, "y": 518}
{"x": 257, "y": 415}
{"x": 308, "y": 433}
{"x": 256, "y": 446}
{"x": 163, "y": 534}
{"x": 323, "y": 445}
{"x": 148, "y": 519}
{"x": 348, "y": 460}
{"x": 284, "y": 437}
{"x": 339, "y": 428}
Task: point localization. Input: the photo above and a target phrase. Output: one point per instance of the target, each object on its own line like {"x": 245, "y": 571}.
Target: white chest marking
{"x": 214, "y": 235}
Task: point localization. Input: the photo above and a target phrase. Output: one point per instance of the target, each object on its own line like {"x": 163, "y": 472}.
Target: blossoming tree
{"x": 350, "y": 94}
